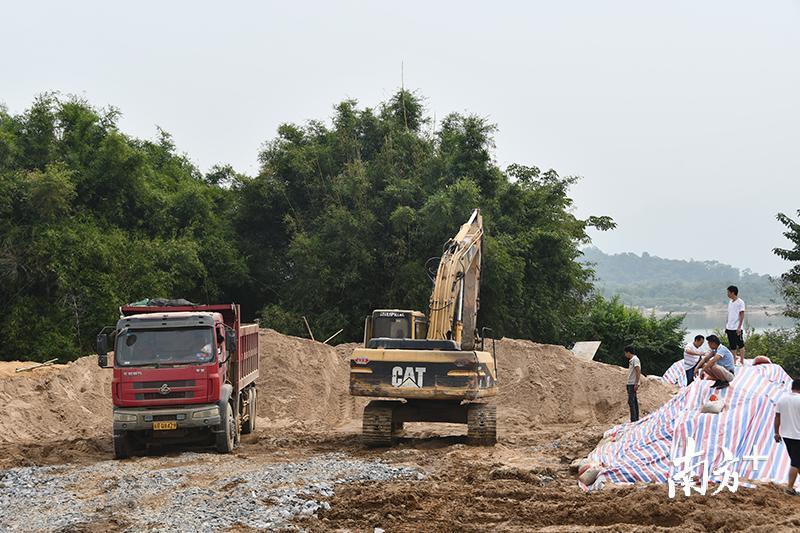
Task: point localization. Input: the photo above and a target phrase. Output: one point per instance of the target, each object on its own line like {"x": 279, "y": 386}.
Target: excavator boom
{"x": 455, "y": 299}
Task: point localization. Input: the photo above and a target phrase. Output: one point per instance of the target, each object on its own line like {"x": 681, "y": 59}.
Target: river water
{"x": 704, "y": 323}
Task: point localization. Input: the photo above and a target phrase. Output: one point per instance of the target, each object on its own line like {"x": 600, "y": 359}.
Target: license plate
{"x": 165, "y": 425}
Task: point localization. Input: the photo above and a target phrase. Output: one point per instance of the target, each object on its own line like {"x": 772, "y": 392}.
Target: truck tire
{"x": 481, "y": 424}
{"x": 250, "y": 424}
{"x": 227, "y": 437}
{"x": 377, "y": 423}
{"x": 122, "y": 445}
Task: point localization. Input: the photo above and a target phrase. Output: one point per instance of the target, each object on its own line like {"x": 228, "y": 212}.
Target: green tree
{"x": 658, "y": 341}
{"x": 790, "y": 280}
{"x": 782, "y": 346}
{"x": 91, "y": 219}
{"x": 343, "y": 218}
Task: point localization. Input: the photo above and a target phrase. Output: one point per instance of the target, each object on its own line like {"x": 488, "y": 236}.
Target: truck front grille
{"x": 168, "y": 396}
{"x": 158, "y": 384}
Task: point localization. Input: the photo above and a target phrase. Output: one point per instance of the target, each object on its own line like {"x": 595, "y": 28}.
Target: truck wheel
{"x": 377, "y": 423}
{"x": 226, "y": 438}
{"x": 250, "y": 425}
{"x": 122, "y": 445}
{"x": 481, "y": 424}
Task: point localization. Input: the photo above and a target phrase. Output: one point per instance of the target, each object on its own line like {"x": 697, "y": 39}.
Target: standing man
{"x": 691, "y": 356}
{"x": 733, "y": 328}
{"x": 787, "y": 426}
{"x": 634, "y": 376}
{"x": 718, "y": 363}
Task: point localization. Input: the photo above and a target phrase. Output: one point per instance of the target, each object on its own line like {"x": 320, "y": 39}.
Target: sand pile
{"x": 301, "y": 383}
{"x": 304, "y": 384}
{"x": 303, "y": 380}
{"x": 59, "y": 402}
{"x": 545, "y": 384}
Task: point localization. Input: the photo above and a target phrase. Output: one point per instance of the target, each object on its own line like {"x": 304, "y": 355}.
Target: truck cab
{"x": 180, "y": 375}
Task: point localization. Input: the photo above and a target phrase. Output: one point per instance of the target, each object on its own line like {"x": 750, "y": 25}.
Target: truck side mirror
{"x": 230, "y": 342}
{"x": 102, "y": 350}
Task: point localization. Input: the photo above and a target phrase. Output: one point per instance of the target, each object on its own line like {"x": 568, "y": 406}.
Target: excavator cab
{"x": 432, "y": 367}
{"x": 395, "y": 324}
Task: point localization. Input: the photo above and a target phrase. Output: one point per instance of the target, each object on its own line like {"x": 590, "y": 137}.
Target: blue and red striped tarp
{"x": 643, "y": 451}
{"x": 675, "y": 374}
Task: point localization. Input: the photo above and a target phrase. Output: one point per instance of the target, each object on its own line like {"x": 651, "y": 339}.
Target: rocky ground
{"x": 305, "y": 467}
{"x": 286, "y": 479}
{"x": 187, "y": 492}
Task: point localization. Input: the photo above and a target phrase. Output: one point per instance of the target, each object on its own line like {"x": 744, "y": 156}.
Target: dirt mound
{"x": 304, "y": 384}
{"x": 546, "y": 384}
{"x": 54, "y": 403}
{"x": 301, "y": 383}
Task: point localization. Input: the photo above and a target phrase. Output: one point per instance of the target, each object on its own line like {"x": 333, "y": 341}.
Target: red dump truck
{"x": 182, "y": 373}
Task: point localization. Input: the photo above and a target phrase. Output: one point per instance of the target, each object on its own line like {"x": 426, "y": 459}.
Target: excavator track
{"x": 378, "y": 423}
{"x": 481, "y": 424}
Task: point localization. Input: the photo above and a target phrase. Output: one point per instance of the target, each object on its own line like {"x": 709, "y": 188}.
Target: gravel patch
{"x": 191, "y": 492}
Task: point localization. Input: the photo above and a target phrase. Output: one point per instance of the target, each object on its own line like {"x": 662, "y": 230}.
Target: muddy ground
{"x": 523, "y": 483}
{"x": 305, "y": 467}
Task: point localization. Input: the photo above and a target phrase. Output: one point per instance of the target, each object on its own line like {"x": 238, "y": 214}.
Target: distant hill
{"x": 674, "y": 284}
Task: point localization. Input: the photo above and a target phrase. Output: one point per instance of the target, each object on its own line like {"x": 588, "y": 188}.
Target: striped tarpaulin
{"x": 643, "y": 451}
{"x": 675, "y": 374}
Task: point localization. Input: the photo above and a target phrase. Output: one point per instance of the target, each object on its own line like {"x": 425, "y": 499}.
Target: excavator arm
{"x": 455, "y": 298}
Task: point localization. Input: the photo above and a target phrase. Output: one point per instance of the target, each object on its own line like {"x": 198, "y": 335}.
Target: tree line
{"x": 341, "y": 218}
{"x": 651, "y": 281}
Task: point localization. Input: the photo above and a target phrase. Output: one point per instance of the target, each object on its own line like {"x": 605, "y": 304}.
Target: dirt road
{"x": 329, "y": 481}
{"x": 306, "y": 468}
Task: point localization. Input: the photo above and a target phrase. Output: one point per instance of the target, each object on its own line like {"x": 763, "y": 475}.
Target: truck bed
{"x": 247, "y": 367}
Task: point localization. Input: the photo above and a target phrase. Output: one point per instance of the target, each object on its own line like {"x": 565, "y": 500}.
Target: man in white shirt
{"x": 787, "y": 426}
{"x": 634, "y": 376}
{"x": 691, "y": 356}
{"x": 735, "y": 323}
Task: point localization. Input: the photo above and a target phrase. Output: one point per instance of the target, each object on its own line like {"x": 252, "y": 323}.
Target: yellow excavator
{"x": 434, "y": 368}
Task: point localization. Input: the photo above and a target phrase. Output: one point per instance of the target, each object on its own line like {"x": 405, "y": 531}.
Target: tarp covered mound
{"x": 643, "y": 451}
{"x": 676, "y": 374}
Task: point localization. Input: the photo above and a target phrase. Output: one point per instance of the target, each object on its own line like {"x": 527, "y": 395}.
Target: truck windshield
{"x": 391, "y": 325}
{"x": 178, "y": 346}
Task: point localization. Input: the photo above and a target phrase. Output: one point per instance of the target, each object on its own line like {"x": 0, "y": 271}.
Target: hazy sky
{"x": 682, "y": 117}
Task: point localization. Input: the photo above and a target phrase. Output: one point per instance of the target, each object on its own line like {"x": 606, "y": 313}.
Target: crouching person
{"x": 717, "y": 364}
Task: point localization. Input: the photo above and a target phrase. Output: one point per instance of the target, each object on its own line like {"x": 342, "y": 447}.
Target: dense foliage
{"x": 672, "y": 284}
{"x": 790, "y": 280}
{"x": 341, "y": 219}
{"x": 90, "y": 219}
{"x": 782, "y": 346}
{"x": 656, "y": 340}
